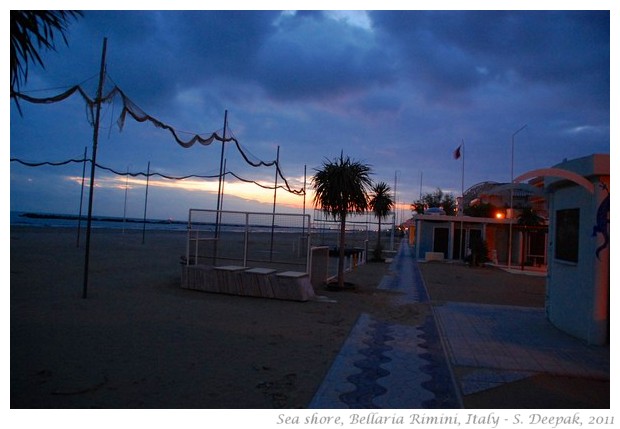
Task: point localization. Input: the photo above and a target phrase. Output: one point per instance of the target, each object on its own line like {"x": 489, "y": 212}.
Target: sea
{"x": 60, "y": 220}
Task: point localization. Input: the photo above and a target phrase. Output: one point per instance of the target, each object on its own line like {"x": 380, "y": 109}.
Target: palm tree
{"x": 32, "y": 30}
{"x": 341, "y": 187}
{"x": 529, "y": 217}
{"x": 381, "y": 204}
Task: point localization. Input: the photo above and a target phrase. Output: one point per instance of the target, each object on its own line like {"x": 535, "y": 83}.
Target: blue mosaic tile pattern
{"x": 365, "y": 382}
{"x": 386, "y": 365}
{"x": 441, "y": 383}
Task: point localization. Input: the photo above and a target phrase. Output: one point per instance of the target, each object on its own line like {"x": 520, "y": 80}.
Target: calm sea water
{"x": 55, "y": 220}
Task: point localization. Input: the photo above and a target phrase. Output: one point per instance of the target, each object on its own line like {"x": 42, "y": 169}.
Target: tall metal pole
{"x": 81, "y": 196}
{"x": 223, "y": 186}
{"x": 275, "y": 192}
{"x": 421, "y": 175}
{"x": 92, "y": 166}
{"x": 462, "y": 207}
{"x": 125, "y": 203}
{"x": 512, "y": 175}
{"x": 393, "y": 214}
{"x": 304, "y": 207}
{"x": 219, "y": 188}
{"x": 146, "y": 198}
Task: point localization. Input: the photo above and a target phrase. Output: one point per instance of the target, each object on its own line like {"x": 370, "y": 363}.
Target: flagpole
{"x": 462, "y": 245}
{"x": 463, "y": 169}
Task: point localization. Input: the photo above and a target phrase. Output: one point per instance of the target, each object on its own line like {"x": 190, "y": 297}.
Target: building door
{"x": 440, "y": 240}
{"x": 458, "y": 245}
{"x": 474, "y": 236}
{"x": 536, "y": 244}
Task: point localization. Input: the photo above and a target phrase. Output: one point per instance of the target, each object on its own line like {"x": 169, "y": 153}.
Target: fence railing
{"x": 279, "y": 241}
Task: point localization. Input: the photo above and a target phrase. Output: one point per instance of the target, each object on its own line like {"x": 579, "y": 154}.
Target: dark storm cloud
{"x": 225, "y": 43}
{"x": 313, "y": 56}
{"x": 459, "y": 52}
{"x": 306, "y": 55}
{"x": 397, "y": 89}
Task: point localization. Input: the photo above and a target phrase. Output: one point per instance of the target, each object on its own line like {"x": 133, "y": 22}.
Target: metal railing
{"x": 280, "y": 240}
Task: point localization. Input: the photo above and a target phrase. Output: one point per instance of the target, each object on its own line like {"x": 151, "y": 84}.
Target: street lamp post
{"x": 512, "y": 175}
{"x": 393, "y": 211}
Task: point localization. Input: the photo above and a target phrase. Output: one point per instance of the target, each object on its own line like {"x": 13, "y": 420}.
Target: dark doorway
{"x": 440, "y": 241}
{"x": 458, "y": 248}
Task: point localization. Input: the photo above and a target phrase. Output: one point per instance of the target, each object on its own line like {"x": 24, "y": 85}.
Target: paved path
{"x": 505, "y": 343}
{"x": 387, "y": 365}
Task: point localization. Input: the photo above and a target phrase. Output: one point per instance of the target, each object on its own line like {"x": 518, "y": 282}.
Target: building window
{"x": 567, "y": 235}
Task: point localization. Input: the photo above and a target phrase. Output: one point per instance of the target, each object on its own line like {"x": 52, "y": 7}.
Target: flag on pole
{"x": 457, "y": 153}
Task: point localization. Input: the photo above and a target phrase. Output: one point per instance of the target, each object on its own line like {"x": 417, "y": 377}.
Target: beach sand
{"x": 140, "y": 341}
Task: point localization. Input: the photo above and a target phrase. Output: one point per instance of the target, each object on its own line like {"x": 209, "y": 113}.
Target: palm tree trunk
{"x": 341, "y": 252}
{"x": 379, "y": 236}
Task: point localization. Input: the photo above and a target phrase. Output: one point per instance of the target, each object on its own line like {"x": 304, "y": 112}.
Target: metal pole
{"x": 304, "y": 207}
{"x": 246, "y": 235}
{"x": 92, "y": 166}
{"x": 146, "y": 198}
{"x": 125, "y": 204}
{"x": 462, "y": 208}
{"x": 223, "y": 185}
{"x": 218, "y": 216}
{"x": 304, "y": 237}
{"x": 393, "y": 214}
{"x": 303, "y": 228}
{"x": 219, "y": 188}
{"x": 81, "y": 197}
{"x": 421, "y": 175}
{"x": 275, "y": 192}
{"x": 512, "y": 165}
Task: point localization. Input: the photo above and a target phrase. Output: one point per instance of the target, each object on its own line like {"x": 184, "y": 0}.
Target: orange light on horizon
{"x": 242, "y": 190}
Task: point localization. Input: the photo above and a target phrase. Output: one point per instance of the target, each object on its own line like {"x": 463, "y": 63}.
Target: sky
{"x": 397, "y": 90}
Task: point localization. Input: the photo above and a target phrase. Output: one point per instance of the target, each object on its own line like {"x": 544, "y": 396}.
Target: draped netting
{"x": 135, "y": 112}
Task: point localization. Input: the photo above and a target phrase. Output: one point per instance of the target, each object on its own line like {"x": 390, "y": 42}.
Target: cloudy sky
{"x": 398, "y": 90}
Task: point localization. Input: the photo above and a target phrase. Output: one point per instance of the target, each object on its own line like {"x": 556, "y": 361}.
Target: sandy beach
{"x": 140, "y": 341}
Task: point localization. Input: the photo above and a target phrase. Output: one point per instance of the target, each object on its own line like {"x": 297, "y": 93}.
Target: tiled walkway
{"x": 386, "y": 365}
{"x": 509, "y": 343}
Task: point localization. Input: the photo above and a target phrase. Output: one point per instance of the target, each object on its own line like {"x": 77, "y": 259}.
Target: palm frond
{"x": 32, "y": 31}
